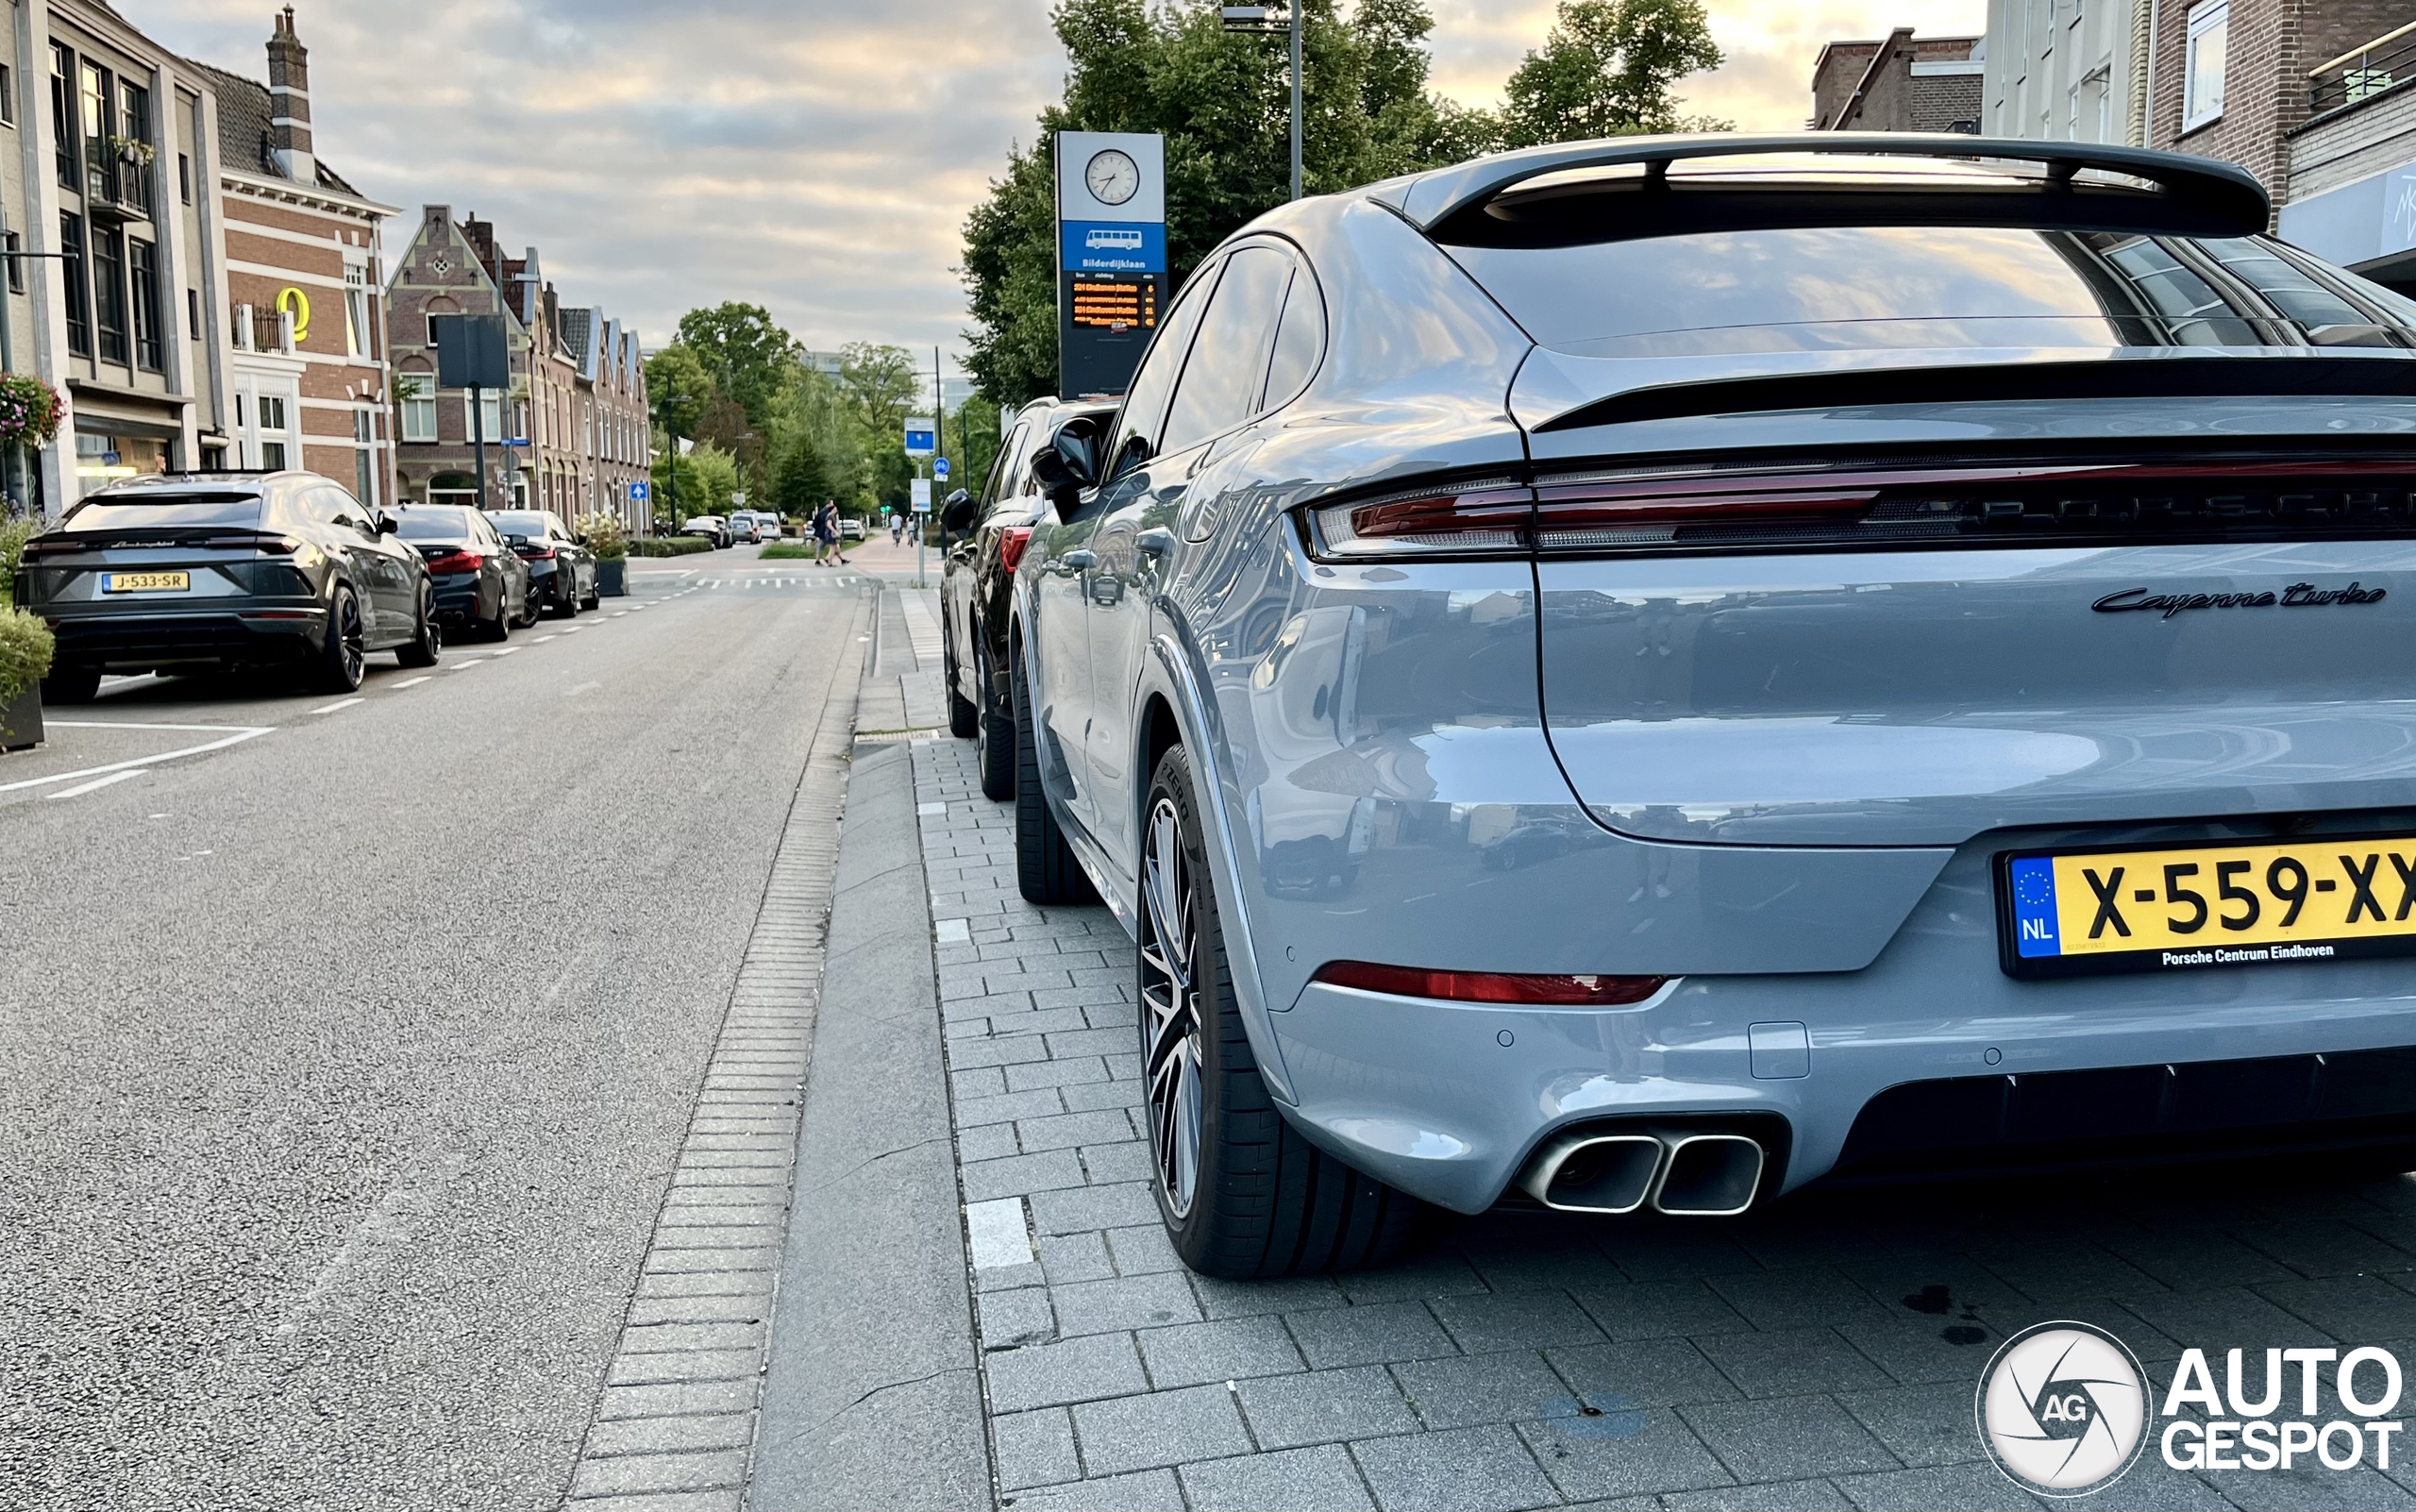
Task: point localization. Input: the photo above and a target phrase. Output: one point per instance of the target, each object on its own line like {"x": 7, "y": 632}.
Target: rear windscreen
{"x": 515, "y": 523}
{"x": 1861, "y": 287}
{"x": 142, "y": 512}
{"x": 433, "y": 525}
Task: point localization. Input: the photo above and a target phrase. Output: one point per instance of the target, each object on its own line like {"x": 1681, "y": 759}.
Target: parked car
{"x": 561, "y": 571}
{"x": 712, "y": 527}
{"x": 989, "y": 529}
{"x": 1960, "y": 593}
{"x": 850, "y": 529}
{"x": 481, "y": 583}
{"x": 193, "y": 571}
{"x": 742, "y": 529}
{"x": 770, "y": 524}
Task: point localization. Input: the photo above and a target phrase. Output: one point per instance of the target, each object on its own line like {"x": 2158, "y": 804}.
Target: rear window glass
{"x": 106, "y": 511}
{"x": 516, "y": 523}
{"x": 435, "y": 525}
{"x": 1800, "y": 288}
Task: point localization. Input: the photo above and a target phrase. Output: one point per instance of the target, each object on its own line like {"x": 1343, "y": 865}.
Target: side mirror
{"x": 580, "y": 539}
{"x": 388, "y": 525}
{"x": 1080, "y": 456}
{"x": 957, "y": 514}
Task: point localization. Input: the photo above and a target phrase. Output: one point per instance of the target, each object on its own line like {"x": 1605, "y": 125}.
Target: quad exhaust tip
{"x": 1684, "y": 1172}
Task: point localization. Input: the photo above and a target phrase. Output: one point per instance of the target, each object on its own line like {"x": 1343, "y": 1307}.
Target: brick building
{"x": 616, "y": 430}
{"x": 306, "y": 367}
{"x": 1901, "y": 84}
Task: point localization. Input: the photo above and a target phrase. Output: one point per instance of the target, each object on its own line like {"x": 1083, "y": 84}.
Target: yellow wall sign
{"x": 298, "y": 303}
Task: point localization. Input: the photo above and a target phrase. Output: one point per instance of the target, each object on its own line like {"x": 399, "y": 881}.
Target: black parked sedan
{"x": 978, "y": 579}
{"x": 196, "y": 571}
{"x": 561, "y": 571}
{"x": 480, "y": 581}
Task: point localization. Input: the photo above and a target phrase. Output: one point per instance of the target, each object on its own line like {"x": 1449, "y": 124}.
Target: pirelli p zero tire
{"x": 343, "y": 655}
{"x": 963, "y": 719}
{"x": 1241, "y": 1192}
{"x": 995, "y": 737}
{"x": 1045, "y": 870}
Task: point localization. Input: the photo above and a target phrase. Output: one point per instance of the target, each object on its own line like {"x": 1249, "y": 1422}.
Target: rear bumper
{"x": 122, "y": 641}
{"x": 460, "y": 599}
{"x": 1927, "y": 1062}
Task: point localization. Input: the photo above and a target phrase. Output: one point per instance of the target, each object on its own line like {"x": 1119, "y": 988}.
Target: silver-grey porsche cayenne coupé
{"x": 1644, "y": 674}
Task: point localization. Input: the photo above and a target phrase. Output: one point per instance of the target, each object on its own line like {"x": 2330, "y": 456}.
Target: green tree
{"x": 746, "y": 351}
{"x": 801, "y": 478}
{"x": 1223, "y": 101}
{"x": 680, "y": 390}
{"x": 1607, "y": 71}
{"x": 705, "y": 479}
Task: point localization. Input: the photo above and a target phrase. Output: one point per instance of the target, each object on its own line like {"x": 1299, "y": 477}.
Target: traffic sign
{"x": 922, "y": 495}
{"x": 639, "y": 492}
{"x": 939, "y": 468}
{"x": 922, "y": 436}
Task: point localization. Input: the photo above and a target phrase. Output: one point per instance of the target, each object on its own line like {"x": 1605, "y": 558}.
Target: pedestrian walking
{"x": 826, "y": 531}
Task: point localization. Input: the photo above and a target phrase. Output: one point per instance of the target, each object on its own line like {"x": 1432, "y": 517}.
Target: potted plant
{"x": 25, "y": 647}
{"x": 606, "y": 537}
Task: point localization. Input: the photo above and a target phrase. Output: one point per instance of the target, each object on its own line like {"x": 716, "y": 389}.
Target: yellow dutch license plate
{"x": 2077, "y": 912}
{"x": 145, "y": 583}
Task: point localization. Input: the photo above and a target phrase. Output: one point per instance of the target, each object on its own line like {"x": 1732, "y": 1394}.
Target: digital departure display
{"x": 1115, "y": 301}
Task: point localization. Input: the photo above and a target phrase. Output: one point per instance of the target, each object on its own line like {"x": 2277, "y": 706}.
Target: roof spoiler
{"x": 2210, "y": 197}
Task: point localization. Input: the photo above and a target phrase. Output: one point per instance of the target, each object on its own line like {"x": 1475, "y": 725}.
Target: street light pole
{"x": 1297, "y": 7}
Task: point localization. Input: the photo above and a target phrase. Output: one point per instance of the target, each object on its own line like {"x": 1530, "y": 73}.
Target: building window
{"x": 79, "y": 304}
{"x": 193, "y": 312}
{"x": 142, "y": 262}
{"x": 93, "y": 103}
{"x": 109, "y": 295}
{"x": 490, "y": 415}
{"x": 419, "y": 407}
{"x": 184, "y": 177}
{"x": 361, "y": 489}
{"x": 273, "y": 456}
{"x": 272, "y": 412}
{"x": 62, "y": 111}
{"x": 8, "y": 95}
{"x": 13, "y": 244}
{"x": 2202, "y": 93}
{"x": 363, "y": 428}
{"x": 432, "y": 330}
{"x": 134, "y": 114}
{"x": 356, "y": 309}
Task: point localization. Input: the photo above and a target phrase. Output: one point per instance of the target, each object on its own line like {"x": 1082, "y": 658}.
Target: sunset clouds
{"x": 813, "y": 156}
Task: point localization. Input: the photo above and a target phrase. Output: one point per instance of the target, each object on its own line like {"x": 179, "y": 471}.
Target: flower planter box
{"x": 612, "y": 579}
{"x": 21, "y": 722}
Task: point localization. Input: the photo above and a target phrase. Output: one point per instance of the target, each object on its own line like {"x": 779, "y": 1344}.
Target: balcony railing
{"x": 263, "y": 330}
{"x": 2363, "y": 72}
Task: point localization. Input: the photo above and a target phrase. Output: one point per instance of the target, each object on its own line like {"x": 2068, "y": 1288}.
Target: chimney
{"x": 289, "y": 99}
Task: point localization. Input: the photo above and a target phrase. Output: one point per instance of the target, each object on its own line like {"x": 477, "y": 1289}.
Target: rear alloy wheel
{"x": 71, "y": 684}
{"x": 1045, "y": 870}
{"x": 345, "y": 656}
{"x": 1242, "y": 1194}
{"x": 993, "y": 741}
{"x": 428, "y": 640}
{"x": 499, "y": 628}
{"x": 569, "y": 605}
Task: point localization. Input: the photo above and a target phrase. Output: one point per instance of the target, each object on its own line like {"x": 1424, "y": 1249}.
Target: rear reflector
{"x": 1488, "y": 986}
{"x": 1011, "y": 544}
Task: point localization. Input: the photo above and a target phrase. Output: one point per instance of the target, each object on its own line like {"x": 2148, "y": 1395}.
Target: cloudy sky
{"x": 812, "y": 156}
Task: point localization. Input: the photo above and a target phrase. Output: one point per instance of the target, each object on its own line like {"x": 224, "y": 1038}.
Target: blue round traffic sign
{"x": 939, "y": 467}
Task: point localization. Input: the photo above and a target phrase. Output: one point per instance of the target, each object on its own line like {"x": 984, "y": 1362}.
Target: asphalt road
{"x": 344, "y": 1063}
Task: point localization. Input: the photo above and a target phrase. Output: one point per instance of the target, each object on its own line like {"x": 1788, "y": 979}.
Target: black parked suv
{"x": 561, "y": 571}
{"x": 194, "y": 571}
{"x": 988, "y": 532}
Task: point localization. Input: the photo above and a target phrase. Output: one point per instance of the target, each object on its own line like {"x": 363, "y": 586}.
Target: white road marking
{"x": 618, "y": 612}
{"x": 410, "y": 682}
{"x": 236, "y": 739}
{"x": 999, "y": 1233}
{"x": 464, "y": 666}
{"x": 573, "y": 629}
{"x": 338, "y": 707}
{"x": 82, "y": 788}
{"x": 584, "y": 687}
{"x": 375, "y": 1242}
{"x": 503, "y": 650}
{"x": 542, "y": 639}
{"x": 955, "y": 930}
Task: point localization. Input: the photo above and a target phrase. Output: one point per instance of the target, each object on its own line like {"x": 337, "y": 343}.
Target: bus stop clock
{"x": 1113, "y": 177}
